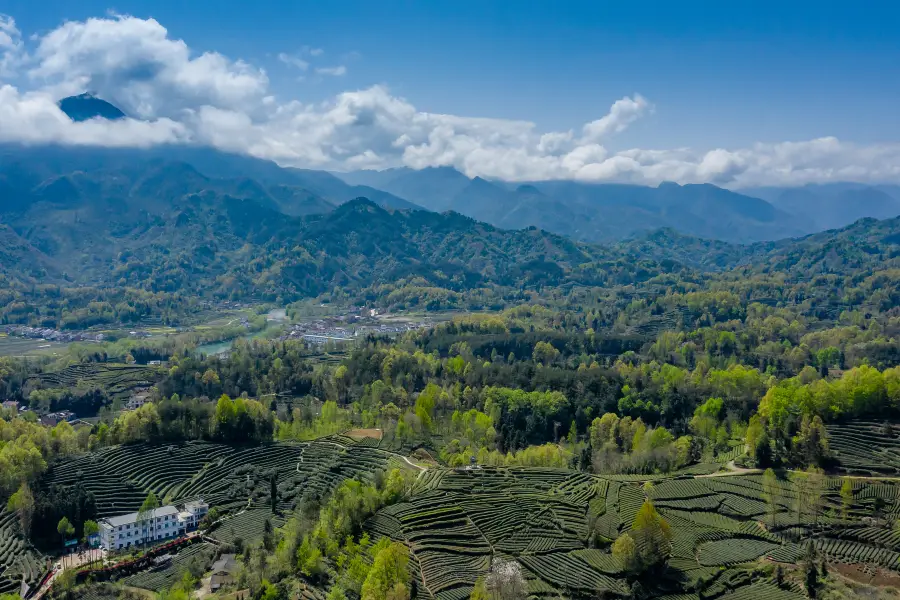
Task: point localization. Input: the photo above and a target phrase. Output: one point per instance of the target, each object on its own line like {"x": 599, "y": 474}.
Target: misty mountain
{"x": 308, "y": 191}
{"x": 590, "y": 212}
{"x": 828, "y": 206}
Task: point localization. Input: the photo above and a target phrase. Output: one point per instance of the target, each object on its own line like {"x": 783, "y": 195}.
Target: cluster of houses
{"x": 346, "y": 328}
{"x": 53, "y": 335}
{"x": 139, "y": 398}
{"x": 55, "y": 418}
{"x": 49, "y": 419}
{"x": 159, "y": 524}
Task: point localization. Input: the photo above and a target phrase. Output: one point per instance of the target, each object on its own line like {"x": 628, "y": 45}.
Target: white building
{"x": 192, "y": 514}
{"x": 137, "y": 400}
{"x": 163, "y": 523}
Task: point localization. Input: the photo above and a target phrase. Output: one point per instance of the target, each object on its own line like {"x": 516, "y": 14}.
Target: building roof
{"x": 226, "y": 563}
{"x": 133, "y": 517}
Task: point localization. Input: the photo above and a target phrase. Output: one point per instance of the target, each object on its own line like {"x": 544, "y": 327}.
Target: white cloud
{"x": 293, "y": 61}
{"x": 35, "y": 118}
{"x": 133, "y": 63}
{"x": 11, "y": 47}
{"x": 621, "y": 114}
{"x": 316, "y": 52}
{"x": 333, "y": 71}
{"x": 187, "y": 97}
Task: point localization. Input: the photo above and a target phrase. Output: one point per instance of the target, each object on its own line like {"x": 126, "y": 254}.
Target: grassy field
{"x": 17, "y": 346}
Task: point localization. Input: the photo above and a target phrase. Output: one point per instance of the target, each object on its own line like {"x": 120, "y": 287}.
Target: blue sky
{"x": 718, "y": 74}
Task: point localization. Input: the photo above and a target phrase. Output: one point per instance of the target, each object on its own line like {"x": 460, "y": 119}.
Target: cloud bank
{"x": 174, "y": 95}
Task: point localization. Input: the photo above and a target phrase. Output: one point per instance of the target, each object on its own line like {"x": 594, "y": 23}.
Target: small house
{"x": 223, "y": 571}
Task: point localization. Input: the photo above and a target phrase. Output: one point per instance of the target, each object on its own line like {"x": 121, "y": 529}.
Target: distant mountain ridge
{"x": 206, "y": 223}
{"x": 868, "y": 244}
{"x": 81, "y": 229}
{"x": 31, "y": 165}
{"x": 600, "y": 212}
{"x": 589, "y": 212}
{"x": 833, "y": 205}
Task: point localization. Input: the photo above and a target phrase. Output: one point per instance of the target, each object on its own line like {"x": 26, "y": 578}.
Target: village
{"x": 52, "y": 335}
{"x": 346, "y": 328}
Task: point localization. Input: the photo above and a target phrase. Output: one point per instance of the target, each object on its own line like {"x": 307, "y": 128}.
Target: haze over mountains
{"x": 610, "y": 212}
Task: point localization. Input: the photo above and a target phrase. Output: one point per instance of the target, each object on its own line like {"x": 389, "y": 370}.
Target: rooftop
{"x": 226, "y": 563}
{"x": 132, "y": 517}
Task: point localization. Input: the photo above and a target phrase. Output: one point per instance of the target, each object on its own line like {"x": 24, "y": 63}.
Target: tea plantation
{"x": 458, "y": 521}
{"x": 228, "y": 477}
{"x": 866, "y": 447}
{"x": 119, "y": 381}
{"x": 18, "y": 559}
{"x": 557, "y": 524}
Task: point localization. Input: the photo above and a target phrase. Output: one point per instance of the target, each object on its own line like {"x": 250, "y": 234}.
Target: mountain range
{"x": 589, "y": 212}
{"x": 200, "y": 221}
{"x": 611, "y": 212}
{"x": 76, "y": 216}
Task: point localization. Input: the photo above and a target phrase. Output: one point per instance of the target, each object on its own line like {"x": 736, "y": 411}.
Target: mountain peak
{"x": 528, "y": 189}
{"x": 87, "y": 106}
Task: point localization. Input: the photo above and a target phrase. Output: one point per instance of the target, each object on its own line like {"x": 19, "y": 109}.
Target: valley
{"x": 382, "y": 390}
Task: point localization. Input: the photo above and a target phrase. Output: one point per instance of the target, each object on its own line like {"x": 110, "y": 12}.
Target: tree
{"x": 603, "y": 430}
{"x": 64, "y": 583}
{"x": 268, "y": 536}
{"x": 22, "y": 503}
{"x": 572, "y": 437}
{"x": 846, "y": 497}
{"x": 89, "y": 529}
{"x": 771, "y": 491}
{"x": 425, "y": 405}
{"x": 625, "y": 550}
{"x": 505, "y": 581}
{"x": 811, "y": 443}
{"x": 544, "y": 353}
{"x": 388, "y": 579}
{"x": 810, "y": 572}
{"x": 65, "y": 529}
{"x": 273, "y": 492}
{"x": 810, "y": 487}
{"x": 478, "y": 591}
{"x": 309, "y": 559}
{"x": 653, "y": 536}
{"x": 340, "y": 382}
{"x": 151, "y": 503}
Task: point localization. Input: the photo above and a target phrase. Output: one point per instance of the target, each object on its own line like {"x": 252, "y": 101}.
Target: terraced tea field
{"x": 866, "y": 447}
{"x": 119, "y": 381}
{"x": 18, "y": 559}
{"x": 557, "y": 524}
{"x": 228, "y": 477}
{"x": 457, "y": 522}
{"x": 200, "y": 556}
